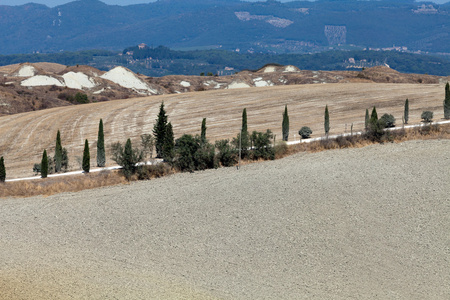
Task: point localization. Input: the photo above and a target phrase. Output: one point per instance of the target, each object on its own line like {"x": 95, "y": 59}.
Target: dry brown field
{"x": 369, "y": 223}
{"x": 24, "y": 136}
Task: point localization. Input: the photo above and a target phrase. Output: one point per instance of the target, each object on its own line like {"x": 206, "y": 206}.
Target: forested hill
{"x": 160, "y": 61}
{"x": 269, "y": 27}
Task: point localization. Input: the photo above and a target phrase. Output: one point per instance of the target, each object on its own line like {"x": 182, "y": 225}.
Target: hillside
{"x": 29, "y": 87}
{"x": 272, "y": 27}
{"x": 24, "y": 136}
{"x": 368, "y": 223}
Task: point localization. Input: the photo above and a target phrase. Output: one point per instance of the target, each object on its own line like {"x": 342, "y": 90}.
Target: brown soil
{"x": 368, "y": 223}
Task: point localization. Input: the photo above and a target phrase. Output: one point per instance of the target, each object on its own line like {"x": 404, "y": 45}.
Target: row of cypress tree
{"x": 61, "y": 157}
{"x": 165, "y": 144}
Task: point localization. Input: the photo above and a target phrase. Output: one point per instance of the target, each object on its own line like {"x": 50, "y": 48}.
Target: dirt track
{"x": 24, "y": 136}
{"x": 368, "y": 223}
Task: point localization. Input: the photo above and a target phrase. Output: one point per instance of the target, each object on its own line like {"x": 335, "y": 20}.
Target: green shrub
{"x": 185, "y": 148}
{"x": 36, "y": 168}
{"x": 305, "y": 132}
{"x": 387, "y": 120}
{"x": 191, "y": 154}
{"x": 127, "y": 157}
{"x": 262, "y": 145}
{"x": 81, "y": 98}
{"x": 376, "y": 127}
{"x": 227, "y": 156}
{"x": 427, "y": 116}
{"x": 205, "y": 157}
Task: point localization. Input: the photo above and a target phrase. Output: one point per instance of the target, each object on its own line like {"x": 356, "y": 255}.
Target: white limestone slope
{"x": 237, "y": 85}
{"x": 78, "y": 80}
{"x": 127, "y": 79}
{"x": 41, "y": 80}
{"x": 26, "y": 71}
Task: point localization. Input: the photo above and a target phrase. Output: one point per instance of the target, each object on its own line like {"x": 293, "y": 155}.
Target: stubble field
{"x": 25, "y": 136}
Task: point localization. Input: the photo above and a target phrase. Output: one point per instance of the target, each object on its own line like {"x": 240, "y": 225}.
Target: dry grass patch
{"x": 56, "y": 185}
{"x": 426, "y": 132}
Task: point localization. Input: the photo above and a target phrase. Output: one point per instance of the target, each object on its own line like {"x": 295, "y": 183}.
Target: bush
{"x": 281, "y": 149}
{"x": 343, "y": 142}
{"x": 36, "y": 168}
{"x": 81, "y": 98}
{"x": 148, "y": 172}
{"x": 192, "y": 154}
{"x": 227, "y": 156}
{"x": 376, "y": 127}
{"x": 305, "y": 132}
{"x": 185, "y": 148}
{"x": 387, "y": 120}
{"x": 427, "y": 116}
{"x": 428, "y": 129}
{"x": 205, "y": 157}
{"x": 127, "y": 157}
{"x": 262, "y": 145}
{"x": 50, "y": 166}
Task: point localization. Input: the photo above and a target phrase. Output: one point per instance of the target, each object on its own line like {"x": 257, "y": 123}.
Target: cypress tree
{"x": 406, "y": 113}
{"x": 86, "y": 157}
{"x": 58, "y": 153}
{"x": 374, "y": 115}
{"x": 366, "y": 120}
{"x": 101, "y": 159}
{"x": 44, "y": 165}
{"x": 375, "y": 126}
{"x": 65, "y": 160}
{"x": 128, "y": 160}
{"x": 285, "y": 125}
{"x": 2, "y": 170}
{"x": 327, "y": 121}
{"x": 447, "y": 102}
{"x": 244, "y": 120}
{"x": 245, "y": 141}
{"x": 159, "y": 130}
{"x": 203, "y": 132}
{"x": 169, "y": 144}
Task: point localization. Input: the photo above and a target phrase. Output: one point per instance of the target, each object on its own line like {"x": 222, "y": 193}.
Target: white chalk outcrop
{"x": 127, "y": 79}
{"x": 26, "y": 71}
{"x": 270, "y": 69}
{"x": 259, "y": 82}
{"x": 41, "y": 80}
{"x": 78, "y": 80}
{"x": 237, "y": 85}
{"x": 291, "y": 68}
{"x": 185, "y": 84}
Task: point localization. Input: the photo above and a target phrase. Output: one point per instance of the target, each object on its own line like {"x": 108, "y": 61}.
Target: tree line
{"x": 191, "y": 153}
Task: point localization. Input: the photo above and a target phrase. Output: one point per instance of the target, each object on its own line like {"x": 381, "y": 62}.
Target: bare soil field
{"x": 24, "y": 136}
{"x": 368, "y": 223}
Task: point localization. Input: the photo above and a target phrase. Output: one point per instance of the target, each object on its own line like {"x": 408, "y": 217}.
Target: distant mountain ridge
{"x": 271, "y": 26}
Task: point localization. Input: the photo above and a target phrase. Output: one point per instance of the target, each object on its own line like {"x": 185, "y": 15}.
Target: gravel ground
{"x": 370, "y": 223}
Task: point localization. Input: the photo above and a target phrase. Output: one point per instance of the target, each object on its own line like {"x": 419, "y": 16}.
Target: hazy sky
{"x": 53, "y": 3}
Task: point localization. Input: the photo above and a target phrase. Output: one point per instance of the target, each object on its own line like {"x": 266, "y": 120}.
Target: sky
{"x": 52, "y": 3}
